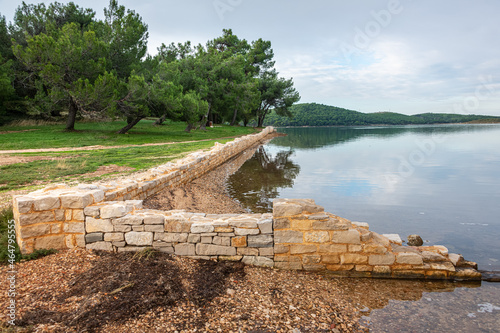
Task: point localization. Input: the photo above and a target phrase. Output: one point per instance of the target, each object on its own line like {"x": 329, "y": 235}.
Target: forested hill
{"x": 313, "y": 114}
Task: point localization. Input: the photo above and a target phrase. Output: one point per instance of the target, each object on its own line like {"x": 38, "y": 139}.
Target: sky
{"x": 404, "y": 56}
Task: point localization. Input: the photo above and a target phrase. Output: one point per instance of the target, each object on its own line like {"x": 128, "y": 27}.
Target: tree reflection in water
{"x": 258, "y": 181}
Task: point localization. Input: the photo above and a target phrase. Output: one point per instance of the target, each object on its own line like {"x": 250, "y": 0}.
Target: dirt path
{"x": 52, "y": 150}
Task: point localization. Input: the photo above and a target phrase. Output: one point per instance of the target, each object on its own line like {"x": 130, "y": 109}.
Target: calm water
{"x": 441, "y": 182}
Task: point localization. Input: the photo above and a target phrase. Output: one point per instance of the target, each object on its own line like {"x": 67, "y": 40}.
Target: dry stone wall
{"x": 298, "y": 235}
{"x": 54, "y": 217}
{"x": 308, "y": 238}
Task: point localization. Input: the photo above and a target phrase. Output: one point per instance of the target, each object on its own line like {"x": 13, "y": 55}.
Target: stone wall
{"x": 125, "y": 226}
{"x": 307, "y": 238}
{"x": 54, "y": 217}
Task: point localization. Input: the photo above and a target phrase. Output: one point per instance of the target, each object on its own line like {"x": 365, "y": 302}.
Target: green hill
{"x": 312, "y": 114}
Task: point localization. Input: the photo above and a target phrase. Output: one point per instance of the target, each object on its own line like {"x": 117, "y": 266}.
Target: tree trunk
{"x": 203, "y": 122}
{"x": 161, "y": 120}
{"x": 130, "y": 124}
{"x": 245, "y": 122}
{"x": 189, "y": 127}
{"x": 70, "y": 122}
{"x": 235, "y": 114}
{"x": 260, "y": 121}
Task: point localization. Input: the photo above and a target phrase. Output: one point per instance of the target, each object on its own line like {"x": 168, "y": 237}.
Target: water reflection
{"x": 318, "y": 137}
{"x": 258, "y": 182}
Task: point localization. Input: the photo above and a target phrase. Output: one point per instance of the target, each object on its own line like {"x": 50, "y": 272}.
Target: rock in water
{"x": 415, "y": 240}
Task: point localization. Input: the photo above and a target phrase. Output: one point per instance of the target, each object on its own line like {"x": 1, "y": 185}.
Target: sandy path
{"x": 51, "y": 150}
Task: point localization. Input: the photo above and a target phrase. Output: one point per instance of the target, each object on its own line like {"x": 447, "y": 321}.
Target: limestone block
{"x": 94, "y": 237}
{"x": 214, "y": 250}
{"x": 243, "y": 223}
{"x": 46, "y": 203}
{"x": 265, "y": 226}
{"x": 353, "y": 258}
{"x": 347, "y": 237}
{"x": 339, "y": 268}
{"x": 56, "y": 228}
{"x": 206, "y": 239}
{"x": 382, "y": 270}
{"x": 244, "y": 232}
{"x": 74, "y": 227}
{"x": 59, "y": 214}
{"x": 297, "y": 224}
{"x": 223, "y": 229}
{"x": 50, "y": 242}
{"x": 113, "y": 237}
{"x": 128, "y": 220}
{"x": 266, "y": 251}
{"x": 114, "y": 211}
{"x": 34, "y": 230}
{"x": 281, "y": 223}
{"x": 363, "y": 268}
{"x": 437, "y": 275}
{"x": 330, "y": 259}
{"x": 381, "y": 260}
{"x": 98, "y": 195}
{"x": 288, "y": 236}
{"x": 139, "y": 238}
{"x": 247, "y": 251}
{"x": 154, "y": 219}
{"x": 230, "y": 258}
{"x": 362, "y": 225}
{"x": 154, "y": 227}
{"x": 393, "y": 238}
{"x": 194, "y": 238}
{"x": 100, "y": 246}
{"x": 260, "y": 241}
{"x": 166, "y": 249}
{"x": 185, "y": 249}
{"x": 455, "y": 259}
{"x": 466, "y": 274}
{"x": 177, "y": 223}
{"x": 299, "y": 249}
{"x": 409, "y": 258}
{"x": 279, "y": 248}
{"x": 373, "y": 247}
{"x": 122, "y": 228}
{"x": 92, "y": 211}
{"x": 432, "y": 256}
{"x": 172, "y": 237}
{"x": 316, "y": 237}
{"x": 24, "y": 204}
{"x": 257, "y": 261}
{"x": 198, "y": 228}
{"x": 35, "y": 218}
{"x": 443, "y": 266}
{"x": 97, "y": 225}
{"x": 331, "y": 224}
{"x": 409, "y": 249}
{"x": 318, "y": 216}
{"x": 80, "y": 240}
{"x": 78, "y": 215}
{"x": 288, "y": 265}
{"x": 132, "y": 248}
{"x": 311, "y": 259}
{"x": 225, "y": 241}
{"x": 76, "y": 200}
{"x": 332, "y": 248}
{"x": 282, "y": 209}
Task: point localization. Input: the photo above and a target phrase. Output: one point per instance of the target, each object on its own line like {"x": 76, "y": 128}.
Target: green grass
{"x": 71, "y": 166}
{"x": 74, "y": 165}
{"x": 104, "y": 133}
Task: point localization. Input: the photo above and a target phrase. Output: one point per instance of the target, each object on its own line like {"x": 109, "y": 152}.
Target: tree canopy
{"x": 58, "y": 61}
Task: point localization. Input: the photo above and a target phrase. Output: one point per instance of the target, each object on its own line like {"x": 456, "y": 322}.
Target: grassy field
{"x": 104, "y": 133}
{"x": 78, "y": 165}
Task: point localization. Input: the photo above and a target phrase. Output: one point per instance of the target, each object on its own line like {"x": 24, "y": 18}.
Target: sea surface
{"x": 441, "y": 182}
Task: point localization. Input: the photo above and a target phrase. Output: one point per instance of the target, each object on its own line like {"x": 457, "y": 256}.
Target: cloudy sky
{"x": 390, "y": 55}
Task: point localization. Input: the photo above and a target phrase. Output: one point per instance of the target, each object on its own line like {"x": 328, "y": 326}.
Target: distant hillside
{"x": 313, "y": 114}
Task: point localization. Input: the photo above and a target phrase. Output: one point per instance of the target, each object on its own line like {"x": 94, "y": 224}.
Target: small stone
{"x": 415, "y": 240}
{"x": 230, "y": 292}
